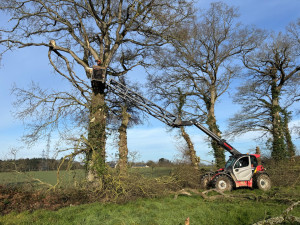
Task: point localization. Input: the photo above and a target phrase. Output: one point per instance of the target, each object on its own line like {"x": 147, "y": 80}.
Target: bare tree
{"x": 190, "y": 149}
{"x": 125, "y": 115}
{"x": 133, "y": 157}
{"x": 271, "y": 87}
{"x": 118, "y": 33}
{"x": 200, "y": 60}
{"x": 294, "y": 33}
{"x": 172, "y": 95}
{"x": 123, "y": 148}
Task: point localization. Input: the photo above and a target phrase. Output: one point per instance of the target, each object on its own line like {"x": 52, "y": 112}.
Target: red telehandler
{"x": 241, "y": 170}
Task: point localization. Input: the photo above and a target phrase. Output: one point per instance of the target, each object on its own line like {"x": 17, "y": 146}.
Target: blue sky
{"x": 151, "y": 140}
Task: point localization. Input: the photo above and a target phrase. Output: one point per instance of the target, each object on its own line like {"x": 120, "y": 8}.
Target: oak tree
{"x": 270, "y": 89}
{"x": 200, "y": 60}
{"x": 119, "y": 33}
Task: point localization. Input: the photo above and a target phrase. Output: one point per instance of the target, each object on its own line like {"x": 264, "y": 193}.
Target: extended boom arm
{"x": 162, "y": 114}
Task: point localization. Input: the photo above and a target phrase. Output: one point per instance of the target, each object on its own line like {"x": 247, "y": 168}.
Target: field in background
{"x": 282, "y": 174}
{"x": 67, "y": 178}
{"x": 41, "y": 178}
{"x": 153, "y": 172}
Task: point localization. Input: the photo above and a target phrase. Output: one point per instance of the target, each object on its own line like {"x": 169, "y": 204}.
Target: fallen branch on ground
{"x": 187, "y": 191}
{"x": 282, "y": 218}
{"x": 231, "y": 195}
{"x": 223, "y": 195}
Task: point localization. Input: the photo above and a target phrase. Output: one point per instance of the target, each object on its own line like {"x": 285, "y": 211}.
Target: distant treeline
{"x": 36, "y": 164}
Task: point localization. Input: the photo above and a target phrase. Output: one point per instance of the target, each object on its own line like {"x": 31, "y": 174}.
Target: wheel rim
{"x": 263, "y": 183}
{"x": 222, "y": 185}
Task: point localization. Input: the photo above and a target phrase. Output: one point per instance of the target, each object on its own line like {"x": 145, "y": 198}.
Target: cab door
{"x": 242, "y": 169}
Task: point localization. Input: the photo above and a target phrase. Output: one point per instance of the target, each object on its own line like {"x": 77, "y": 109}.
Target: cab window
{"x": 254, "y": 162}
{"x": 230, "y": 162}
{"x": 242, "y": 162}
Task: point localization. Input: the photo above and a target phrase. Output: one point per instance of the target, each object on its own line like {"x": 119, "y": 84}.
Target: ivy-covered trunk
{"x": 291, "y": 149}
{"x": 219, "y": 153}
{"x": 97, "y": 135}
{"x": 278, "y": 145}
{"x": 191, "y": 150}
{"x": 213, "y": 127}
{"x": 123, "y": 149}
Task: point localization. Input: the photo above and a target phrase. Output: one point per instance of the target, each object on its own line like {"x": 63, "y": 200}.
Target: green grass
{"x": 68, "y": 177}
{"x": 50, "y": 177}
{"x": 153, "y": 172}
{"x": 161, "y": 211}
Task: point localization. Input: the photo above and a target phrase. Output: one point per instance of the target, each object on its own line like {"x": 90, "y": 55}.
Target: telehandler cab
{"x": 241, "y": 170}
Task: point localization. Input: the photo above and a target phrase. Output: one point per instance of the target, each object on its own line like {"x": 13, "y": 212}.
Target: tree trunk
{"x": 213, "y": 127}
{"x": 97, "y": 135}
{"x": 257, "y": 151}
{"x": 191, "y": 153}
{"x": 191, "y": 150}
{"x": 123, "y": 149}
{"x": 278, "y": 145}
{"x": 291, "y": 150}
{"x": 218, "y": 150}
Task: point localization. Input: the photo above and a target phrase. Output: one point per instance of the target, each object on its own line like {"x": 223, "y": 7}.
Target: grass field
{"x": 152, "y": 172}
{"x": 41, "y": 178}
{"x": 162, "y": 211}
{"x": 67, "y": 178}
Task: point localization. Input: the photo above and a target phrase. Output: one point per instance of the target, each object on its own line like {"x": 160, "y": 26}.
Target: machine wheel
{"x": 206, "y": 180}
{"x": 223, "y": 183}
{"x": 263, "y": 182}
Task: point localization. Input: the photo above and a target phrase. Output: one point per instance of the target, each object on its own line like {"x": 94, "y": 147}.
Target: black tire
{"x": 263, "y": 182}
{"x": 223, "y": 183}
{"x": 205, "y": 181}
